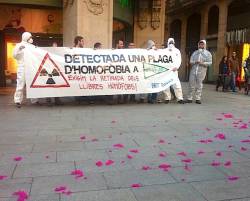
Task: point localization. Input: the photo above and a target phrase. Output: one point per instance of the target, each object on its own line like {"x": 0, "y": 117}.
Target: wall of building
{"x": 31, "y": 19}
{"x": 141, "y": 36}
{"x": 93, "y": 22}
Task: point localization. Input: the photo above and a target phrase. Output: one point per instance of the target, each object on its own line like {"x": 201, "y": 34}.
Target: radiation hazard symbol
{"x": 49, "y": 75}
{"x": 151, "y": 70}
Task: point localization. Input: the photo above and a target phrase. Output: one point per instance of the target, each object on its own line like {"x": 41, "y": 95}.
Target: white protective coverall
{"x": 198, "y": 71}
{"x": 177, "y": 86}
{"x": 18, "y": 54}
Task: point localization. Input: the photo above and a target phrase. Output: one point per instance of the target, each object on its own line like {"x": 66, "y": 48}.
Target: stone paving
{"x": 130, "y": 152}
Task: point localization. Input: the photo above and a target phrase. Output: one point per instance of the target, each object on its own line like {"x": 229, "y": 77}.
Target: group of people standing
{"x": 200, "y": 60}
{"x": 229, "y": 73}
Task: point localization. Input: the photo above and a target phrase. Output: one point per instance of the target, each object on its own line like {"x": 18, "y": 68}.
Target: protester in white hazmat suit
{"x": 200, "y": 60}
{"x": 18, "y": 54}
{"x": 177, "y": 86}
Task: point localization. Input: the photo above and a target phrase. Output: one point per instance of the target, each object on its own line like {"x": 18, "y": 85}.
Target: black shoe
{"x": 18, "y": 105}
{"x": 181, "y": 102}
{"x": 188, "y": 101}
{"x": 166, "y": 101}
{"x": 198, "y": 102}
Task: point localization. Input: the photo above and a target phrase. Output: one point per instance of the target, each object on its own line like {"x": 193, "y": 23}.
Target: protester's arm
{"x": 209, "y": 60}
{"x": 192, "y": 61}
{"x": 18, "y": 50}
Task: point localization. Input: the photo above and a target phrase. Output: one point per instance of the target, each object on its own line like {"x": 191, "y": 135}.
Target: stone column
{"x": 184, "y": 66}
{"x": 221, "y": 45}
{"x": 92, "y": 21}
{"x": 204, "y": 22}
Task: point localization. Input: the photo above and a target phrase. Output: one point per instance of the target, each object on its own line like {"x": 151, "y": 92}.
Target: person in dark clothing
{"x": 246, "y": 66}
{"x": 223, "y": 74}
{"x": 234, "y": 67}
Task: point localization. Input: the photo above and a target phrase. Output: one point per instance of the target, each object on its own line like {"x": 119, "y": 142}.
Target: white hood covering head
{"x": 150, "y": 44}
{"x": 205, "y": 43}
{"x": 26, "y": 36}
{"x": 170, "y": 40}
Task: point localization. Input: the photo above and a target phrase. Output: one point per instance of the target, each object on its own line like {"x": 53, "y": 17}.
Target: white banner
{"x": 63, "y": 71}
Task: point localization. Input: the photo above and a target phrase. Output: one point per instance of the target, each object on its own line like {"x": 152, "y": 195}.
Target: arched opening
{"x": 192, "y": 37}
{"x": 193, "y": 32}
{"x": 213, "y": 20}
{"x": 175, "y": 32}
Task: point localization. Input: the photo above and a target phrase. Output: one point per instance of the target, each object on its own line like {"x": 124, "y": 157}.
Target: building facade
{"x": 223, "y": 23}
{"x": 104, "y": 21}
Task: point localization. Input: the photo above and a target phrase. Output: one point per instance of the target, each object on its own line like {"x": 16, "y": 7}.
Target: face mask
{"x": 200, "y": 49}
{"x": 30, "y": 41}
{"x": 171, "y": 45}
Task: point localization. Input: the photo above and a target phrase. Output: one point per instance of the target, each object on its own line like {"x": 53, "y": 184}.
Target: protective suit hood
{"x": 170, "y": 40}
{"x": 150, "y": 44}
{"x": 26, "y": 36}
{"x": 205, "y": 43}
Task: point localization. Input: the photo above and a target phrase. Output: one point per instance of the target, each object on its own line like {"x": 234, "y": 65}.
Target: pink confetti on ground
{"x": 3, "y": 177}
{"x": 164, "y": 166}
{"x": 113, "y": 121}
{"x": 94, "y": 140}
{"x": 163, "y": 154}
{"x": 187, "y": 168}
{"x": 47, "y": 157}
{"x": 109, "y": 162}
{"x": 67, "y": 192}
{"x": 18, "y": 158}
{"x": 219, "y": 119}
{"x": 161, "y": 141}
{"x": 228, "y": 164}
{"x": 22, "y": 195}
{"x": 129, "y": 156}
{"x": 182, "y": 154}
{"x": 82, "y": 137}
{"x": 208, "y": 129}
{"x": 77, "y": 173}
{"x": 245, "y": 141}
{"x": 230, "y": 146}
{"x": 215, "y": 164}
{"x": 60, "y": 188}
{"x": 200, "y": 152}
{"x": 228, "y": 116}
{"x": 188, "y": 160}
{"x": 206, "y": 141}
{"x": 136, "y": 185}
{"x": 119, "y": 146}
{"x": 99, "y": 164}
{"x": 134, "y": 151}
{"x": 220, "y": 136}
{"x": 243, "y": 126}
{"x": 146, "y": 168}
{"x": 232, "y": 178}
{"x": 243, "y": 149}
{"x": 218, "y": 154}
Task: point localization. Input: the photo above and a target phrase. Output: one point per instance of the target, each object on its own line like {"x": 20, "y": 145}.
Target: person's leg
{"x": 167, "y": 95}
{"x": 178, "y": 92}
{"x": 154, "y": 97}
{"x": 191, "y": 86}
{"x": 233, "y": 81}
{"x": 200, "y": 77}
{"x": 219, "y": 80}
{"x": 18, "y": 96}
